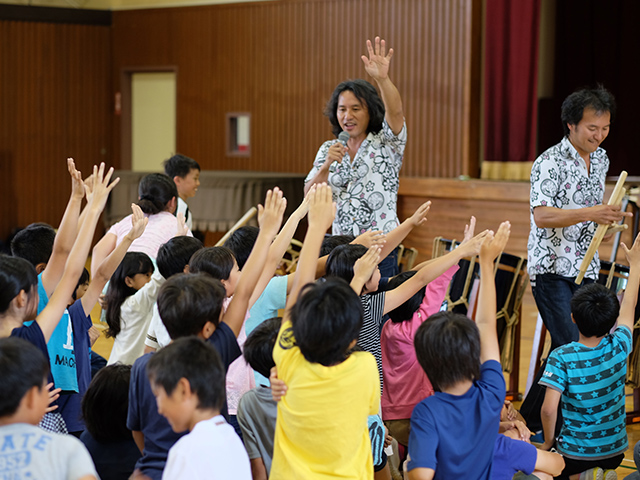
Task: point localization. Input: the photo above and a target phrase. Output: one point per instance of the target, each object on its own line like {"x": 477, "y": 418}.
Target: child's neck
{"x": 459, "y": 388}
{"x": 202, "y": 414}
{"x": 590, "y": 342}
{"x": 8, "y": 323}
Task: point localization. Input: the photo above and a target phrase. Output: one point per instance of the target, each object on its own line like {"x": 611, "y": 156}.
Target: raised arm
{"x": 269, "y": 219}
{"x": 67, "y": 232}
{"x": 469, "y": 232}
{"x": 278, "y": 249}
{"x": 322, "y": 211}
{"x": 628, "y": 307}
{"x": 431, "y": 271}
{"x": 50, "y": 316}
{"x": 377, "y": 65}
{"x": 486, "y": 313}
{"x": 364, "y": 268}
{"x": 110, "y": 264}
{"x": 398, "y": 234}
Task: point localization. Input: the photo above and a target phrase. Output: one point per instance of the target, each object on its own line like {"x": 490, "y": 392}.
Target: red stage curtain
{"x": 511, "y": 70}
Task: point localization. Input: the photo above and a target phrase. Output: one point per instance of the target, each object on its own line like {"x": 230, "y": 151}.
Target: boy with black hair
{"x": 173, "y": 257}
{"x": 316, "y": 437}
{"x": 257, "y": 411}
{"x": 587, "y": 377}
{"x": 453, "y": 431}
{"x": 28, "y": 451}
{"x": 185, "y": 172}
{"x": 35, "y": 244}
{"x": 191, "y": 304}
{"x": 187, "y": 378}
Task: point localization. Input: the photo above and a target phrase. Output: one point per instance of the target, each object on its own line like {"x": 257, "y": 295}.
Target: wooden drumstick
{"x": 240, "y": 223}
{"x": 614, "y": 199}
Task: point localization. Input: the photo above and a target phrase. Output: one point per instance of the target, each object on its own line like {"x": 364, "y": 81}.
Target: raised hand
{"x": 493, "y": 245}
{"x": 101, "y": 186}
{"x": 138, "y": 222}
{"x": 377, "y": 64}
{"x": 322, "y": 209}
{"x": 632, "y": 254}
{"x": 77, "y": 186}
{"x": 270, "y": 215}
{"x": 181, "y": 226}
{"x": 472, "y": 246}
{"x": 53, "y": 396}
{"x": 469, "y": 230}
{"x": 420, "y": 215}
{"x": 366, "y": 264}
{"x": 88, "y": 187}
{"x": 372, "y": 237}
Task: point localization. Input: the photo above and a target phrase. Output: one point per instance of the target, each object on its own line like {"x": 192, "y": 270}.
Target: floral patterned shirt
{"x": 559, "y": 179}
{"x": 366, "y": 189}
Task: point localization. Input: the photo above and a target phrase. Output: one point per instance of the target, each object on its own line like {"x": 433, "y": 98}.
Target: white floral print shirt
{"x": 559, "y": 179}
{"x": 366, "y": 189}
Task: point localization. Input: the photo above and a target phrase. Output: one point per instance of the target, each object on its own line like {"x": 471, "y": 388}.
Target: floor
{"x": 529, "y": 317}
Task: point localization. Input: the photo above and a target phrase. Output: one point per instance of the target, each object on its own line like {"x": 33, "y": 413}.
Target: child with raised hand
{"x": 453, "y": 431}
{"x": 191, "y": 304}
{"x": 18, "y": 281}
{"x": 29, "y": 451}
{"x": 588, "y": 377}
{"x": 321, "y": 430}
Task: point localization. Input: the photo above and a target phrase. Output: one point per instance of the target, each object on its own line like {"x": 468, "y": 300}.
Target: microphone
{"x": 343, "y": 137}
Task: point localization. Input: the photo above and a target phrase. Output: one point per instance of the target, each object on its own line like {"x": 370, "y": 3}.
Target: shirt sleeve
{"x": 178, "y": 466}
{"x": 623, "y": 335}
{"x": 397, "y": 143}
{"x": 144, "y": 299}
{"x": 226, "y": 343}
{"x": 79, "y": 461}
{"x": 321, "y": 157}
{"x": 544, "y": 184}
{"x": 152, "y": 336}
{"x": 133, "y": 414}
{"x": 518, "y": 455}
{"x": 492, "y": 381}
{"x": 423, "y": 439}
{"x": 435, "y": 292}
{"x": 555, "y": 373}
{"x": 248, "y": 435}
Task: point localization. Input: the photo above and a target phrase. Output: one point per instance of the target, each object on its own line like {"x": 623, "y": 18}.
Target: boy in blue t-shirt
{"x": 589, "y": 377}
{"x": 453, "y": 432}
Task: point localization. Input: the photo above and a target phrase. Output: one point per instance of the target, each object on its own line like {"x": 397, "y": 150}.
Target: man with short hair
{"x": 567, "y": 188}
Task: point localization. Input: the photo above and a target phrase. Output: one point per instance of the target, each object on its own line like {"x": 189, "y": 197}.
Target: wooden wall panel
{"x": 55, "y": 86}
{"x": 280, "y": 61}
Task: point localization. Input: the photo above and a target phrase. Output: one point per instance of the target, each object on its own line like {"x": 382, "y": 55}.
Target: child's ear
{"x": 186, "y": 269}
{"x": 352, "y": 344}
{"x": 21, "y": 299}
{"x": 128, "y": 281}
{"x": 573, "y": 319}
{"x": 171, "y": 205}
{"x": 40, "y": 268}
{"x": 183, "y": 389}
{"x": 207, "y": 330}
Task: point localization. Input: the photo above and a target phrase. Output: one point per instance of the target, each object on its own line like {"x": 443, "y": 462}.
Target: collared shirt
{"x": 559, "y": 179}
{"x": 366, "y": 189}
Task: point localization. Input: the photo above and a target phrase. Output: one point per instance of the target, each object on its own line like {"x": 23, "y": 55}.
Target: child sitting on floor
{"x": 589, "y": 377}
{"x": 453, "y": 431}
{"x": 187, "y": 378}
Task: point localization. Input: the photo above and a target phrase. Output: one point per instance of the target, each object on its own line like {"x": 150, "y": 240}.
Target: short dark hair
{"x": 241, "y": 243}
{"x": 367, "y": 94}
{"x": 174, "y": 255}
{"x": 118, "y": 290}
{"x": 155, "y": 191}
{"x": 595, "y": 309}
{"x": 84, "y": 278}
{"x": 326, "y": 318}
{"x": 258, "y": 348}
{"x": 195, "y": 360}
{"x": 186, "y": 302}
{"x": 216, "y": 261}
{"x": 332, "y": 241}
{"x": 179, "y": 166}
{"x": 599, "y": 99}
{"x": 34, "y": 243}
{"x": 342, "y": 259}
{"x": 23, "y": 367}
{"x": 405, "y": 311}
{"x": 106, "y": 402}
{"x": 15, "y": 274}
{"x": 448, "y": 349}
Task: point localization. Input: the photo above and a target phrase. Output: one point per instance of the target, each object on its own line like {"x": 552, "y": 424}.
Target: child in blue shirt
{"x": 588, "y": 376}
{"x": 453, "y": 432}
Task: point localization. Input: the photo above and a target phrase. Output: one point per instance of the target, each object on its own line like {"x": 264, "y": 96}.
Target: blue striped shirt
{"x": 591, "y": 381}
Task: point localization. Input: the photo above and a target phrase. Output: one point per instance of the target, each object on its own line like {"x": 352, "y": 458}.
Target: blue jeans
{"x": 389, "y": 266}
{"x": 552, "y": 294}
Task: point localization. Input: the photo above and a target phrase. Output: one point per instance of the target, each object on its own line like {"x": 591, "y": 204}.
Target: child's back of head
{"x": 448, "y": 349}
{"x": 121, "y": 287}
{"x": 342, "y": 259}
{"x": 595, "y": 310}
{"x": 258, "y": 347}
{"x": 405, "y": 311}
{"x": 174, "y": 255}
{"x": 326, "y": 319}
{"x": 34, "y": 243}
{"x": 186, "y": 302}
{"x": 241, "y": 243}
{"x": 330, "y": 242}
{"x": 194, "y": 360}
{"x": 214, "y": 261}
{"x": 23, "y": 367}
{"x": 155, "y": 192}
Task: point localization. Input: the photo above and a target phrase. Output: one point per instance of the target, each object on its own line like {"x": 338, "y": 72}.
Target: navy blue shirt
{"x": 143, "y": 413}
{"x": 33, "y": 334}
{"x": 71, "y": 403}
{"x": 113, "y": 460}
